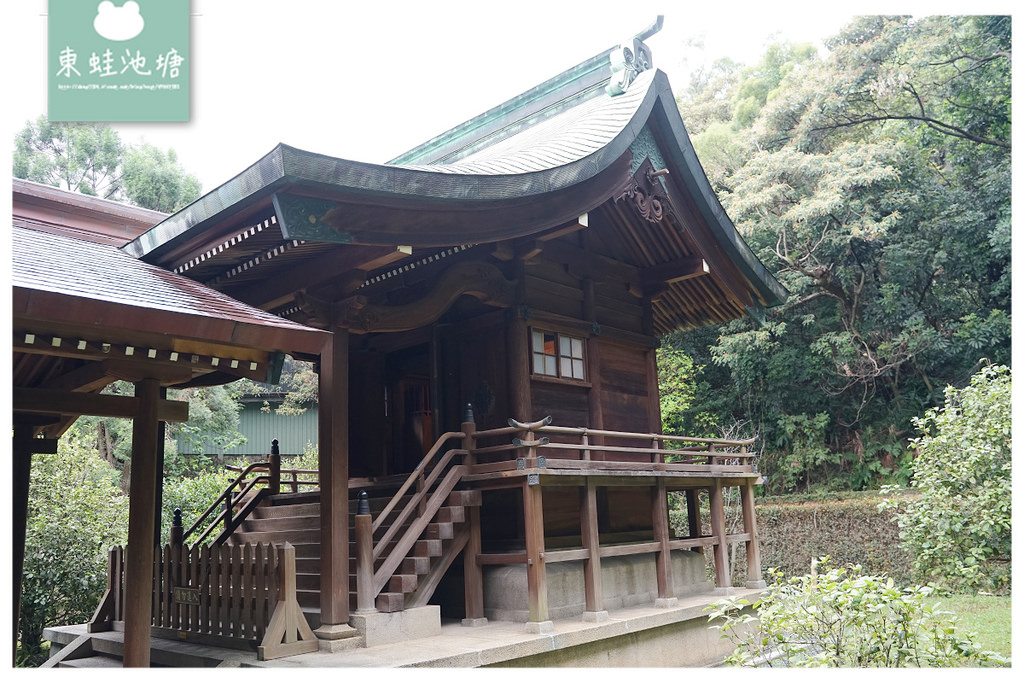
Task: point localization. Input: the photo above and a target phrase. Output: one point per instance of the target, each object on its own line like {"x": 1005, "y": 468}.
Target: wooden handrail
{"x": 223, "y": 516}
{"x": 223, "y": 497}
{"x": 415, "y": 530}
{"x": 642, "y": 435}
{"x": 417, "y": 503}
{"x": 415, "y": 475}
{"x": 656, "y": 446}
{"x": 425, "y": 503}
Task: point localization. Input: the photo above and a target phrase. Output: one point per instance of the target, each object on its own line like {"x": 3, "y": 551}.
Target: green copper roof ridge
{"x": 448, "y": 144}
{"x": 462, "y": 139}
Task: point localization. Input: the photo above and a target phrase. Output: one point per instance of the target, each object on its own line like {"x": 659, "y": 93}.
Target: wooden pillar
{"x": 519, "y": 368}
{"x": 333, "y": 450}
{"x": 142, "y": 496}
{"x": 473, "y": 574}
{"x": 161, "y": 444}
{"x": 275, "y": 468}
{"x": 754, "y": 579}
{"x": 594, "y": 406}
{"x": 663, "y": 558}
{"x": 536, "y": 575}
{"x": 592, "y": 580}
{"x": 364, "y": 558}
{"x": 722, "y": 575}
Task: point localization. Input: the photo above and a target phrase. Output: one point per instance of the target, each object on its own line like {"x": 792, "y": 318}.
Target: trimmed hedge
{"x": 851, "y": 530}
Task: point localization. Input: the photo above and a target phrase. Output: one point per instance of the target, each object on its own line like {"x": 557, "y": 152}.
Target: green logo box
{"x": 118, "y": 61}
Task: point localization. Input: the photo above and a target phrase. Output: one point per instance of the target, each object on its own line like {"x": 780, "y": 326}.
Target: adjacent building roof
{"x": 51, "y": 209}
{"x": 85, "y": 313}
{"x": 45, "y": 262}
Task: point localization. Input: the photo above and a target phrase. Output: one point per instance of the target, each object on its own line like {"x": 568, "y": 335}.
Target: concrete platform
{"x": 637, "y": 636}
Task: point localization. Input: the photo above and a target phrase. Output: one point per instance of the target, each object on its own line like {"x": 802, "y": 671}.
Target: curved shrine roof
{"x": 539, "y": 161}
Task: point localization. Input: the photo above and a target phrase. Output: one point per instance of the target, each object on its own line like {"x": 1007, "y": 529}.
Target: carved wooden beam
{"x": 475, "y": 278}
{"x": 646, "y": 193}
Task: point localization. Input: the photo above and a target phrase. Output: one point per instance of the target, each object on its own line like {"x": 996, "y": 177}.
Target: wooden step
{"x": 403, "y": 583}
{"x": 428, "y": 547}
{"x": 440, "y": 530}
{"x": 296, "y": 510}
{"x": 307, "y": 598}
{"x": 308, "y": 582}
{"x": 454, "y": 513}
{"x": 279, "y": 523}
{"x": 390, "y": 602}
{"x": 296, "y": 538}
{"x": 415, "y": 565}
{"x": 464, "y": 499}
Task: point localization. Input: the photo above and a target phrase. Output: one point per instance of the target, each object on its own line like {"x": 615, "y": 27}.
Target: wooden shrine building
{"x": 483, "y": 312}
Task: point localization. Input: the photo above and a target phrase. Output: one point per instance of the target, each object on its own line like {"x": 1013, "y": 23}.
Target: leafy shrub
{"x": 76, "y": 512}
{"x": 193, "y": 495}
{"x": 844, "y": 618}
{"x": 958, "y": 529}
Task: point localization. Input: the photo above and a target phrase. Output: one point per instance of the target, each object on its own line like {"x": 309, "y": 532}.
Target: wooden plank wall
{"x": 625, "y": 402}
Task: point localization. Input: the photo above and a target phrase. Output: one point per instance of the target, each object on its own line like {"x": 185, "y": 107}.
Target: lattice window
{"x": 557, "y": 355}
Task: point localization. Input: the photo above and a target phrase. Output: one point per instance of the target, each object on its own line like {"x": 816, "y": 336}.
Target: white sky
{"x": 369, "y": 80}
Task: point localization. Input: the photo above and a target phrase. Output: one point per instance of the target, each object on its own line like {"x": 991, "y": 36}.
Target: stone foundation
{"x": 628, "y": 581}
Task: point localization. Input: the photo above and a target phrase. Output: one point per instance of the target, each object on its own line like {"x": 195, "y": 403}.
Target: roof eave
{"x": 685, "y": 158}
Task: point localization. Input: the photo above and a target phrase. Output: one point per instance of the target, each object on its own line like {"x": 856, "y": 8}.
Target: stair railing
{"x": 415, "y": 530}
{"x": 434, "y": 478}
{"x": 423, "y": 478}
{"x": 239, "y": 488}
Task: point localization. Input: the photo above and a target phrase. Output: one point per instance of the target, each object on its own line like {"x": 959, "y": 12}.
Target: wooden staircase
{"x": 295, "y": 518}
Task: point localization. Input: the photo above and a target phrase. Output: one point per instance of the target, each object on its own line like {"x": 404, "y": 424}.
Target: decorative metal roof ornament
{"x": 631, "y": 58}
{"x": 627, "y": 61}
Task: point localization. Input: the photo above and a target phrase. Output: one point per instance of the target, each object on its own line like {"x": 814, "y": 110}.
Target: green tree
{"x": 958, "y": 529}
{"x": 192, "y": 495}
{"x": 76, "y": 513}
{"x": 213, "y": 421}
{"x": 299, "y": 383}
{"x": 838, "y": 617}
{"x": 890, "y": 230}
{"x": 91, "y": 158}
{"x": 676, "y": 381}
{"x": 154, "y": 179}
{"x": 81, "y": 157}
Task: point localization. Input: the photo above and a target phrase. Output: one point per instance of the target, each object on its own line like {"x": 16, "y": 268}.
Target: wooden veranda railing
{"x": 539, "y": 447}
{"x": 582, "y": 448}
{"x": 239, "y": 596}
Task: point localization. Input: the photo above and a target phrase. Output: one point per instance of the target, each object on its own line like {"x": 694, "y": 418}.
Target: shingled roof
{"x": 46, "y": 262}
{"x": 532, "y": 164}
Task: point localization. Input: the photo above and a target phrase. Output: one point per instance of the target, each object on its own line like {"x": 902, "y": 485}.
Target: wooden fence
{"x": 234, "y": 595}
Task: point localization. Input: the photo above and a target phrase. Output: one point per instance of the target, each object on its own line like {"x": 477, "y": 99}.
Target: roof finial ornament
{"x": 630, "y": 59}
